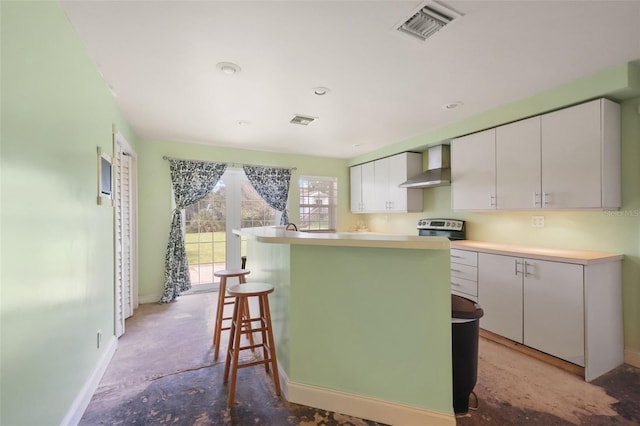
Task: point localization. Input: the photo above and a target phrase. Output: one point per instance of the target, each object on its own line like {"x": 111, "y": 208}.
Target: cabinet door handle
{"x": 535, "y": 199}
{"x": 516, "y": 271}
{"x": 526, "y": 268}
{"x": 492, "y": 200}
{"x": 545, "y": 199}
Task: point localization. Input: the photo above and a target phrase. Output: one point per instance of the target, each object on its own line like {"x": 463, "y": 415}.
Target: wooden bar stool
{"x": 241, "y": 294}
{"x": 224, "y": 300}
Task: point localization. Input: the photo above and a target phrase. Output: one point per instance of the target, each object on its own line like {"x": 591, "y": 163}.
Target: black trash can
{"x": 465, "y": 322}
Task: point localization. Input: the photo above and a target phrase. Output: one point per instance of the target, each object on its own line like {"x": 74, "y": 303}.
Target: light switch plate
{"x": 537, "y": 221}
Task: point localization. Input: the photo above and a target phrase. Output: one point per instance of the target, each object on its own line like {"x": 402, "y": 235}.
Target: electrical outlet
{"x": 99, "y": 338}
{"x": 537, "y": 221}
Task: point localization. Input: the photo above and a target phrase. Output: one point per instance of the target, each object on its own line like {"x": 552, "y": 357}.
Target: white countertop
{"x": 272, "y": 234}
{"x": 582, "y": 257}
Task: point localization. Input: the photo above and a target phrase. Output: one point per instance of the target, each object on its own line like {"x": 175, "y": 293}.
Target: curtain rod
{"x": 229, "y": 164}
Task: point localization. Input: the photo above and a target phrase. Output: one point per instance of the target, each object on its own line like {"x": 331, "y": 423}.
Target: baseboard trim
{"x": 284, "y": 382}
{"x": 519, "y": 347}
{"x": 632, "y": 357}
{"x": 81, "y": 402}
{"x": 364, "y": 407}
{"x": 149, "y": 298}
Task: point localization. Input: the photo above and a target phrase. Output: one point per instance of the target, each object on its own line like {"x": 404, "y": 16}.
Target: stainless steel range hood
{"x": 438, "y": 171}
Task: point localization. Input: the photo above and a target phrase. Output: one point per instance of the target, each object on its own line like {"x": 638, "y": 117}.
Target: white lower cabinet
{"x": 572, "y": 311}
{"x": 534, "y": 302}
{"x": 500, "y": 294}
{"x": 464, "y": 274}
{"x": 554, "y": 309}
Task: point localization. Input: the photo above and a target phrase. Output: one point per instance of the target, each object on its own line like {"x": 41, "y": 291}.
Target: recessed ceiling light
{"x": 243, "y": 123}
{"x": 320, "y": 91}
{"x": 355, "y": 145}
{"x": 452, "y": 105}
{"x": 228, "y": 67}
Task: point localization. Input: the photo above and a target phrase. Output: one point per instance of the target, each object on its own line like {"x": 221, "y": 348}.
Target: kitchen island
{"x": 362, "y": 321}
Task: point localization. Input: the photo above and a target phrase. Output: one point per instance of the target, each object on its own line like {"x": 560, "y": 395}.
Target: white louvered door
{"x": 125, "y": 220}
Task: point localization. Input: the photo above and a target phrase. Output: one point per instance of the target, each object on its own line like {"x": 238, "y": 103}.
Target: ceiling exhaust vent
{"x": 303, "y": 120}
{"x": 428, "y": 19}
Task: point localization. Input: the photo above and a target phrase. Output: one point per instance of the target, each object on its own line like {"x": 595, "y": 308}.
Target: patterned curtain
{"x": 192, "y": 181}
{"x": 272, "y": 184}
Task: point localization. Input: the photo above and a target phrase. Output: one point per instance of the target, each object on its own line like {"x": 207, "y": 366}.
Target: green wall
{"x": 376, "y": 323}
{"x": 341, "y": 329}
{"x": 154, "y": 198}
{"x": 57, "y": 243}
{"x": 271, "y": 263}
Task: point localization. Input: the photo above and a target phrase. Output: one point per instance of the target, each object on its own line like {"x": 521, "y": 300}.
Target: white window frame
{"x": 332, "y": 206}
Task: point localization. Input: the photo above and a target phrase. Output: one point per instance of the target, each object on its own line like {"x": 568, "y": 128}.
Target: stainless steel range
{"x": 453, "y": 229}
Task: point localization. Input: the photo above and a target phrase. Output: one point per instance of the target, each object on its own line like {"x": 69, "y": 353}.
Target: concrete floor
{"x": 162, "y": 373}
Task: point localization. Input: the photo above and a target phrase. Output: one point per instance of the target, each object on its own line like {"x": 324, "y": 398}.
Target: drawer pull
{"x": 456, "y": 285}
{"x": 455, "y": 270}
{"x": 457, "y": 257}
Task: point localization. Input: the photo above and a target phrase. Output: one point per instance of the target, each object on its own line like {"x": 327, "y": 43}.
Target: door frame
{"x": 122, "y": 148}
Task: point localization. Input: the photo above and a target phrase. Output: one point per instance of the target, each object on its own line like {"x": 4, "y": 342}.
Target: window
{"x": 210, "y": 245}
{"x": 205, "y": 235}
{"x": 318, "y": 203}
{"x": 254, "y": 211}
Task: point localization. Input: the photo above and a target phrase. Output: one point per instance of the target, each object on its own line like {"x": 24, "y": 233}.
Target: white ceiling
{"x": 159, "y": 58}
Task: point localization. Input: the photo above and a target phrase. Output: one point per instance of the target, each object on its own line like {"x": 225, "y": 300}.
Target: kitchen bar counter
{"x": 362, "y": 321}
{"x": 271, "y": 234}
{"x": 580, "y": 257}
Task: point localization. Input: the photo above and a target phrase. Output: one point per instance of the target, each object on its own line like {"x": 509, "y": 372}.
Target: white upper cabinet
{"x": 374, "y": 185}
{"x": 402, "y": 167}
{"x": 381, "y": 186}
{"x": 355, "y": 178}
{"x": 518, "y": 165}
{"x": 566, "y": 159}
{"x": 581, "y": 157}
{"x": 362, "y": 187}
{"x": 473, "y": 171}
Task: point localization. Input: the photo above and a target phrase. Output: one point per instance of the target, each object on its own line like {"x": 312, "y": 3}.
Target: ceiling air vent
{"x": 303, "y": 120}
{"x": 427, "y": 20}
